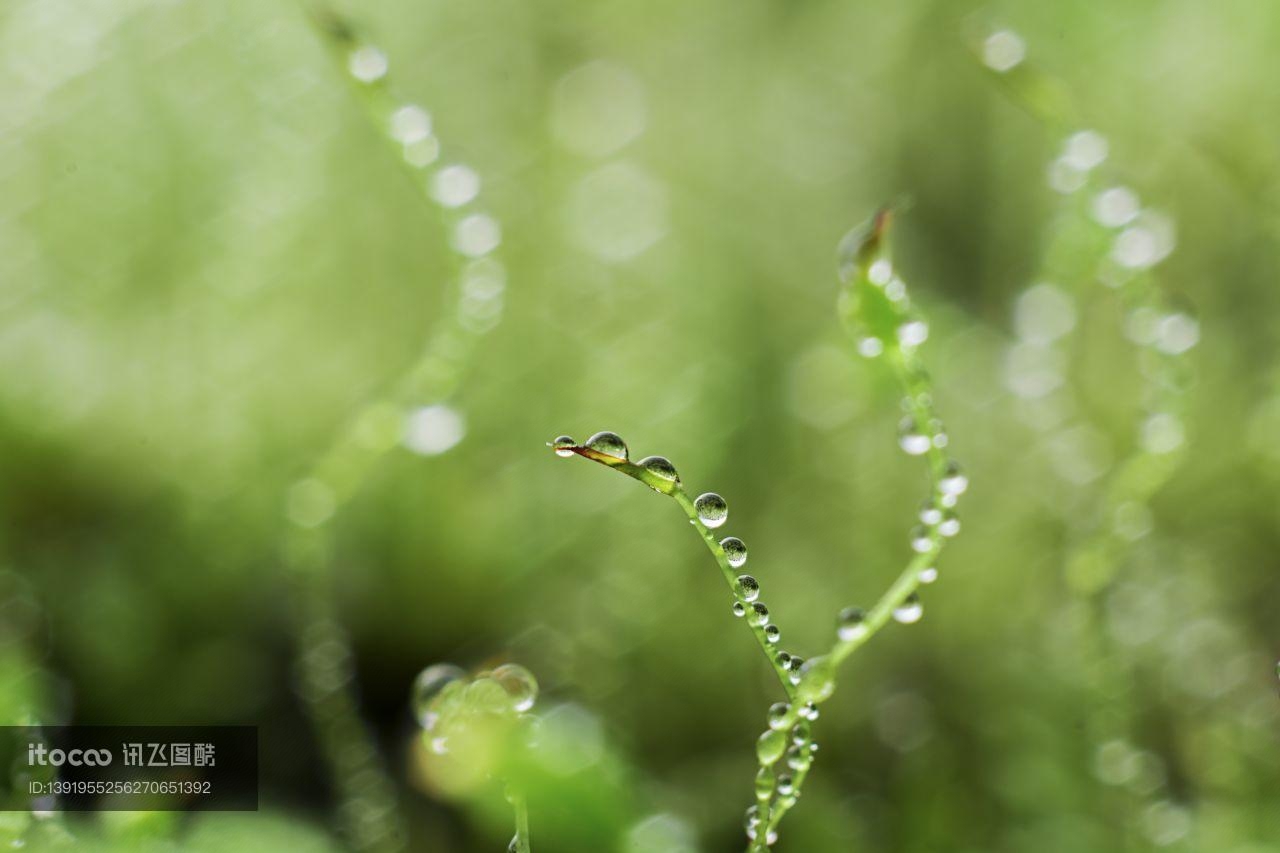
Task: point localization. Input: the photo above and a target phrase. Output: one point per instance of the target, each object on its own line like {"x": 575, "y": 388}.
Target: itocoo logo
{"x": 38, "y": 753}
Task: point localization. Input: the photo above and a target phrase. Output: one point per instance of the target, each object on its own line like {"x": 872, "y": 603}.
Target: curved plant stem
{"x": 324, "y": 658}
{"x": 675, "y": 490}
{"x": 879, "y": 315}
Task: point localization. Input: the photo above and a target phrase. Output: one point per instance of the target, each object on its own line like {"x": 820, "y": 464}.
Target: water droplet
{"x": 921, "y": 541}
{"x": 712, "y": 510}
{"x": 519, "y": 683}
{"x": 1115, "y": 207}
{"x": 739, "y": 609}
{"x": 911, "y": 439}
{"x": 786, "y": 786}
{"x": 735, "y": 550}
{"x": 913, "y": 334}
{"x": 562, "y": 444}
{"x": 909, "y": 611}
{"x": 428, "y": 686}
{"x": 660, "y": 467}
{"x": 798, "y": 758}
{"x": 779, "y": 715}
{"x": 1176, "y": 333}
{"x": 772, "y": 633}
{"x": 751, "y": 820}
{"x": 1085, "y": 150}
{"x": 432, "y": 430}
{"x": 367, "y": 64}
{"x": 930, "y": 513}
{"x": 809, "y": 711}
{"x": 870, "y": 347}
{"x": 477, "y": 235}
{"x": 850, "y": 625}
{"x": 454, "y": 186}
{"x": 608, "y": 444}
{"x": 764, "y": 784}
{"x": 880, "y": 272}
{"x": 800, "y": 733}
{"x": 954, "y": 481}
{"x": 794, "y": 666}
{"x": 770, "y": 746}
{"x": 928, "y": 575}
{"x": 783, "y": 659}
{"x": 746, "y": 588}
{"x": 410, "y": 124}
{"x": 1003, "y": 51}
{"x": 759, "y": 614}
{"x": 818, "y": 681}
{"x": 949, "y": 526}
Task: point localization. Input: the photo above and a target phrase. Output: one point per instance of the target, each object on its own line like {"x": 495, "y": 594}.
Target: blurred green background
{"x": 210, "y": 259}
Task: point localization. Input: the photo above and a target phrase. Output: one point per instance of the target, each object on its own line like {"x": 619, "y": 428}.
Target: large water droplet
{"x": 911, "y": 439}
{"x": 735, "y": 550}
{"x": 851, "y": 624}
{"x": 712, "y": 510}
{"x": 818, "y": 681}
{"x": 779, "y": 715}
{"x": 608, "y": 444}
{"x": 428, "y": 686}
{"x": 909, "y": 611}
{"x": 519, "y": 683}
{"x": 660, "y": 467}
{"x": 770, "y": 746}
{"x": 562, "y": 444}
{"x": 764, "y": 784}
{"x": 747, "y": 588}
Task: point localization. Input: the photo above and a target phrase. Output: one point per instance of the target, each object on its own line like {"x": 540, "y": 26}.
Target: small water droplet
{"x": 608, "y": 444}
{"x": 950, "y": 524}
{"x": 367, "y": 64}
{"x": 911, "y": 439}
{"x": 850, "y": 624}
{"x": 746, "y": 588}
{"x": 759, "y": 614}
{"x": 562, "y": 444}
{"x": 909, "y": 611}
{"x": 410, "y": 124}
{"x": 779, "y": 715}
{"x": 793, "y": 667}
{"x": 739, "y": 609}
{"x": 786, "y": 786}
{"x": 660, "y": 467}
{"x": 519, "y": 683}
{"x": 772, "y": 633}
{"x": 954, "y": 481}
{"x": 1003, "y": 51}
{"x": 930, "y": 513}
{"x": 798, "y": 757}
{"x": 783, "y": 659}
{"x": 928, "y": 575}
{"x": 809, "y": 711}
{"x": 735, "y": 550}
{"x": 428, "y": 686}
{"x": 712, "y": 510}
{"x": 921, "y": 541}
{"x": 800, "y": 733}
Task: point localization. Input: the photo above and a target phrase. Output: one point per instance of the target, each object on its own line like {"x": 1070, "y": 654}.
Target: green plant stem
{"x": 522, "y": 842}
{"x": 676, "y": 491}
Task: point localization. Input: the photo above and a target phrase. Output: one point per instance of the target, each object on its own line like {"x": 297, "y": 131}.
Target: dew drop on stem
{"x": 608, "y": 444}
{"x": 909, "y": 611}
{"x": 563, "y": 444}
{"x": 747, "y": 588}
{"x": 712, "y": 509}
{"x": 660, "y": 467}
{"x": 735, "y": 551}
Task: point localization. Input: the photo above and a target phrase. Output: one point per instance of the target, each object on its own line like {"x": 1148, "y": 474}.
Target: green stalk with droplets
{"x": 875, "y": 307}
{"x": 1102, "y": 234}
{"x": 323, "y": 654}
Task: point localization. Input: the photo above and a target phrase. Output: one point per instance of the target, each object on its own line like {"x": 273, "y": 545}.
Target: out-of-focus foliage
{"x": 209, "y": 260}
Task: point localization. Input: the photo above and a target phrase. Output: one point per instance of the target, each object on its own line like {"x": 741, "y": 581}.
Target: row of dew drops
{"x": 789, "y": 736}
